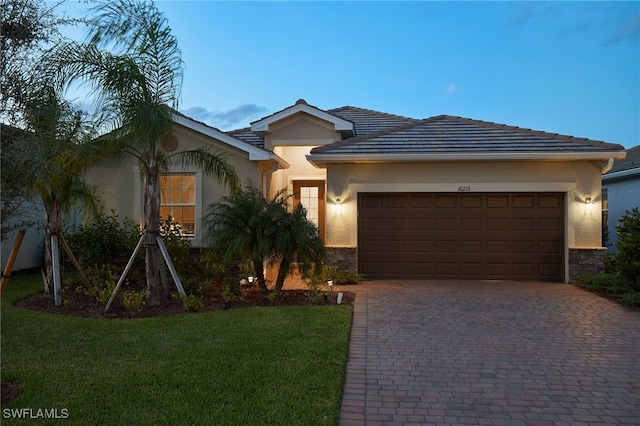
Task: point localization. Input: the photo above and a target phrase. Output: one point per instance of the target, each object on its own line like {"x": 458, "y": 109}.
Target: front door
{"x": 310, "y": 193}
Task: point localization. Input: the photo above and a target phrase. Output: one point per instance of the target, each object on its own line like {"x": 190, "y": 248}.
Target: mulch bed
{"x": 80, "y": 305}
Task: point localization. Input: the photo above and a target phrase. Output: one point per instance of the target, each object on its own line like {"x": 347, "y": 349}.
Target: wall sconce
{"x": 338, "y": 200}
{"x": 589, "y": 203}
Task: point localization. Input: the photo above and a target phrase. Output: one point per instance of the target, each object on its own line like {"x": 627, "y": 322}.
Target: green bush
{"x": 108, "y": 242}
{"x": 105, "y": 240}
{"x": 192, "y": 303}
{"x": 339, "y": 277}
{"x": 178, "y": 245}
{"x": 618, "y": 286}
{"x": 133, "y": 301}
{"x": 626, "y": 261}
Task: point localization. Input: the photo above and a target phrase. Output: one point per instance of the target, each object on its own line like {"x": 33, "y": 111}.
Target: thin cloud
{"x": 627, "y": 30}
{"x": 452, "y": 88}
{"x": 522, "y": 16}
{"x": 226, "y": 120}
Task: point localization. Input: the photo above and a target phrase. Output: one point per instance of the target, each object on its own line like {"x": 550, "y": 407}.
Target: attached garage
{"x": 514, "y": 236}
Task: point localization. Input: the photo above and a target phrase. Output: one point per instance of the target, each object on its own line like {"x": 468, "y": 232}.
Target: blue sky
{"x": 564, "y": 67}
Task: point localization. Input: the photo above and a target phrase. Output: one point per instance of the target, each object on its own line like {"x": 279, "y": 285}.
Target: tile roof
{"x": 367, "y": 121}
{"x": 446, "y": 134}
{"x": 632, "y": 161}
{"x": 378, "y": 133}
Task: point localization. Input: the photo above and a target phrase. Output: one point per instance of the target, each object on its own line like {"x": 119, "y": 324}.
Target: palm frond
{"x": 212, "y": 164}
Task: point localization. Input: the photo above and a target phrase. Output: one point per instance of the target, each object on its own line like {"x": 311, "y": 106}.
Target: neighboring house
{"x": 621, "y": 193}
{"x": 396, "y": 197}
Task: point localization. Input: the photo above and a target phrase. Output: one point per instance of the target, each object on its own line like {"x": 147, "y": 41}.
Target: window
{"x": 309, "y": 200}
{"x": 178, "y": 200}
{"x": 310, "y": 193}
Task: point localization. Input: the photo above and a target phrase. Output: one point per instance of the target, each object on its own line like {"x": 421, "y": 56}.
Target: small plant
{"x": 272, "y": 297}
{"x": 230, "y": 291}
{"x": 104, "y": 294}
{"x": 192, "y": 303}
{"x": 133, "y": 301}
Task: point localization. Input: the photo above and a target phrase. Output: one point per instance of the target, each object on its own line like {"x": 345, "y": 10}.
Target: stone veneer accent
{"x": 585, "y": 261}
{"x": 343, "y": 258}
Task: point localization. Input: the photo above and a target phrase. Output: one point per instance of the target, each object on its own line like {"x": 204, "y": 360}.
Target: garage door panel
{"x": 446, "y": 224}
{"x": 472, "y": 246}
{"x": 497, "y": 224}
{"x": 549, "y": 225}
{"x": 420, "y": 268}
{"x": 420, "y": 224}
{"x": 523, "y": 201}
{"x": 444, "y": 201}
{"x": 395, "y": 224}
{"x": 497, "y": 201}
{"x": 420, "y": 247}
{"x": 452, "y": 235}
{"x": 370, "y": 224}
{"x": 472, "y": 224}
{"x": 523, "y": 224}
{"x": 450, "y": 246}
{"x": 497, "y": 246}
{"x": 472, "y": 202}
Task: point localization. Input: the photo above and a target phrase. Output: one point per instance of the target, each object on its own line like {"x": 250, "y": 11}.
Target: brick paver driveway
{"x": 498, "y": 353}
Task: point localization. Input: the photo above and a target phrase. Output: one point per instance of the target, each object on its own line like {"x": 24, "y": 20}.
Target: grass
{"x": 251, "y": 366}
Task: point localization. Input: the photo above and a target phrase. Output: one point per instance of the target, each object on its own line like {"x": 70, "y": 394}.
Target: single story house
{"x": 620, "y": 193}
{"x": 397, "y": 197}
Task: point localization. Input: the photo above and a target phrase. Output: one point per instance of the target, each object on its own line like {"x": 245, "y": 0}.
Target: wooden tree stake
{"x": 12, "y": 258}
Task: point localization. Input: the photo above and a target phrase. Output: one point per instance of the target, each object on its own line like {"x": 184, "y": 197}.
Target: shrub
{"x": 616, "y": 285}
{"x": 230, "y": 289}
{"x": 104, "y": 240}
{"x": 339, "y": 277}
{"x": 192, "y": 303}
{"x": 178, "y": 245}
{"x": 133, "y": 301}
{"x": 627, "y": 259}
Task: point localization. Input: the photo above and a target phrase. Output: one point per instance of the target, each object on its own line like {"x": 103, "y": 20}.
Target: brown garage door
{"x": 512, "y": 236}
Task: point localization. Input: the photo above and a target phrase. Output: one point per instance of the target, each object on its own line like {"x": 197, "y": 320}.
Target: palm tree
{"x": 245, "y": 225}
{"x": 240, "y": 226}
{"x": 60, "y": 144}
{"x": 136, "y": 85}
{"x": 297, "y": 240}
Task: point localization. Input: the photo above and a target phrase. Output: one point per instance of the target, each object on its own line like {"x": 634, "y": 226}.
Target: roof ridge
{"x": 381, "y": 113}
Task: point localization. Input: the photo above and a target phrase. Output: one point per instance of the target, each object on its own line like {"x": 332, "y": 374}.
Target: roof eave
{"x": 622, "y": 174}
{"x": 255, "y": 153}
{"x": 340, "y": 124}
{"x": 319, "y": 160}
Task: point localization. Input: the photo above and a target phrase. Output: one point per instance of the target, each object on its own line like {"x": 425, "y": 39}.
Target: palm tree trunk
{"x": 258, "y": 267}
{"x": 283, "y": 271}
{"x": 151, "y": 221}
{"x": 53, "y": 226}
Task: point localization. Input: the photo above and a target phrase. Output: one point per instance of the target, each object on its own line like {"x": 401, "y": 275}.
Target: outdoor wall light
{"x": 589, "y": 202}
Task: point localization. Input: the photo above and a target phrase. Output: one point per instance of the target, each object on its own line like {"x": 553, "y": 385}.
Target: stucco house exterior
{"x": 621, "y": 192}
{"x": 396, "y": 197}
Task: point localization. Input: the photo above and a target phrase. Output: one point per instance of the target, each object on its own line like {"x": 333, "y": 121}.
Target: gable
{"x": 301, "y": 129}
{"x": 266, "y": 124}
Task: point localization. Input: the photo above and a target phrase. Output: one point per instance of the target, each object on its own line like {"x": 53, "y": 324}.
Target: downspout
{"x": 609, "y": 166}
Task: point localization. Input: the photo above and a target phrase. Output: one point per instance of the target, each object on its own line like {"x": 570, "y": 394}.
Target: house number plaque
{"x": 465, "y": 188}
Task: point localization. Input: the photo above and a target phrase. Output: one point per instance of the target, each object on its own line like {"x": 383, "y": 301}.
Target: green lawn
{"x": 251, "y": 366}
